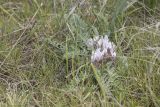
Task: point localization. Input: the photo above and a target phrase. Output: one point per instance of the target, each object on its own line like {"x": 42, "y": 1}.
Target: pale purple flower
{"x": 103, "y": 49}
{"x": 97, "y": 55}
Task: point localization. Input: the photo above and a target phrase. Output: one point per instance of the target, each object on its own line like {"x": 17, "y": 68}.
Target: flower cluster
{"x": 102, "y": 49}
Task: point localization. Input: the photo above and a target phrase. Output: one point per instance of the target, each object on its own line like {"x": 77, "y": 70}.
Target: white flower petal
{"x": 96, "y": 38}
{"x": 90, "y": 43}
{"x": 106, "y": 44}
{"x": 157, "y": 26}
{"x": 114, "y": 54}
{"x": 104, "y": 52}
{"x": 100, "y": 42}
{"x": 106, "y": 37}
{"x": 97, "y": 56}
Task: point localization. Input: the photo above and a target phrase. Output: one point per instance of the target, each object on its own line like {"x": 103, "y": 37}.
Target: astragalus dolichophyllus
{"x": 102, "y": 49}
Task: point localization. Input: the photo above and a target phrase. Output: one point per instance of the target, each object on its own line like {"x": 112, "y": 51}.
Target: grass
{"x": 44, "y": 61}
